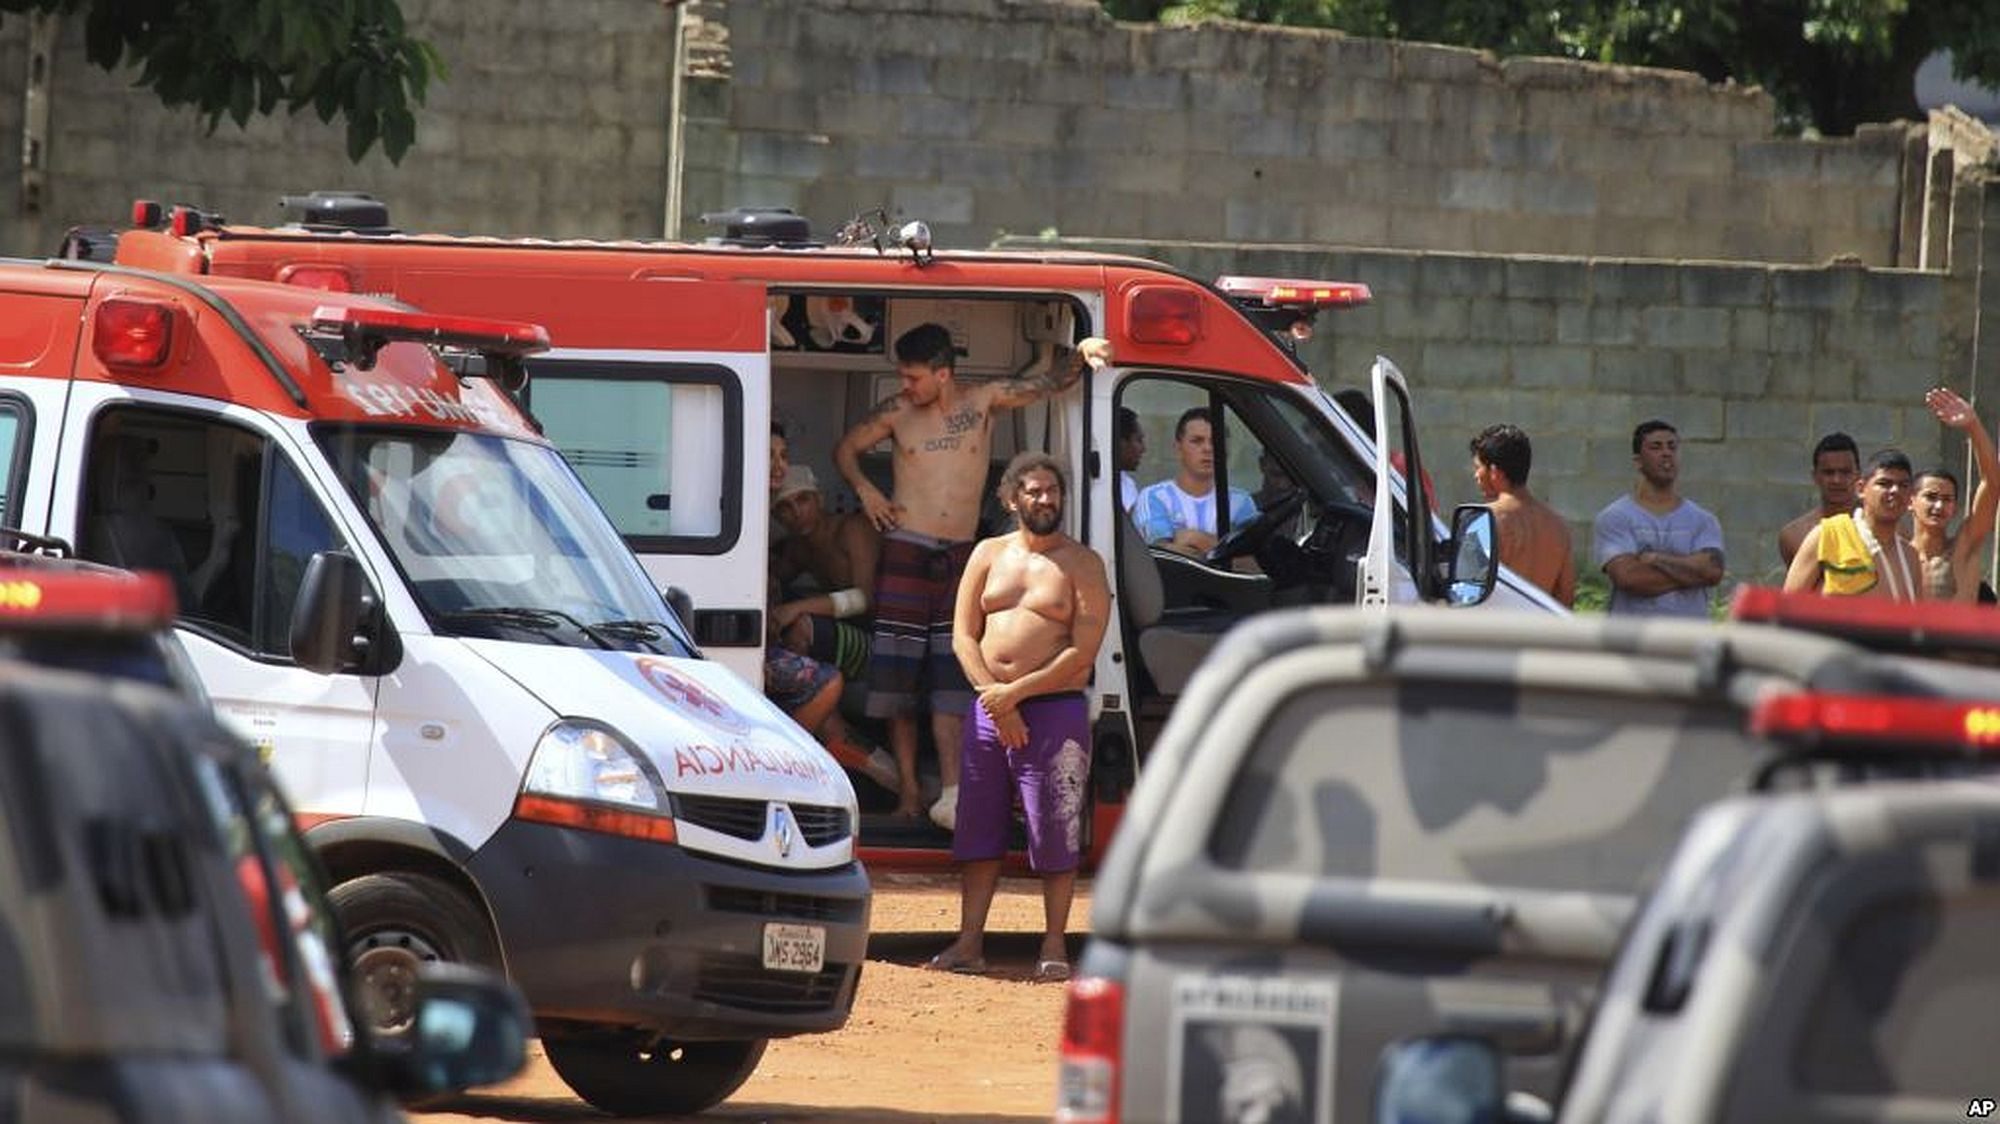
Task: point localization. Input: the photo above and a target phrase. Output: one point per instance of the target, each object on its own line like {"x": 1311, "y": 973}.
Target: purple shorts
{"x": 1051, "y": 773}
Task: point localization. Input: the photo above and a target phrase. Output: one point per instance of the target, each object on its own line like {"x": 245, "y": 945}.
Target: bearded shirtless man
{"x": 1534, "y": 540}
{"x": 1030, "y": 616}
{"x": 941, "y": 432}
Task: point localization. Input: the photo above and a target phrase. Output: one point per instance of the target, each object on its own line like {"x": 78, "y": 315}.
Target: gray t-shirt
{"x": 1624, "y": 527}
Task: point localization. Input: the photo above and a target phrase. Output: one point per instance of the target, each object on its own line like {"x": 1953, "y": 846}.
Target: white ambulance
{"x": 503, "y": 746}
{"x": 671, "y": 361}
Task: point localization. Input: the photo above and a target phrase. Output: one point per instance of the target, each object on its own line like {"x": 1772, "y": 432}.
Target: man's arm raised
{"x": 878, "y": 426}
{"x": 1010, "y": 393}
{"x": 1956, "y": 413}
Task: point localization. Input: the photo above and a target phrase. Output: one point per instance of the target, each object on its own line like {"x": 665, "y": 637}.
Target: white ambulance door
{"x": 31, "y": 413}
{"x": 217, "y": 500}
{"x": 675, "y": 447}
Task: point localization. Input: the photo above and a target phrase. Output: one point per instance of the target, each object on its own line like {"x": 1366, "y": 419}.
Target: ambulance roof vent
{"x": 762, "y": 226}
{"x": 335, "y": 211}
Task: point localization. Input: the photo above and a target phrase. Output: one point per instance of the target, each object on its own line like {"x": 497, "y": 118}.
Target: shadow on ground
{"x": 1009, "y": 956}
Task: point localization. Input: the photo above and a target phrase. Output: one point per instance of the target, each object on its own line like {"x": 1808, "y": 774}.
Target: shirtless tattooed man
{"x": 1031, "y": 615}
{"x": 941, "y": 434}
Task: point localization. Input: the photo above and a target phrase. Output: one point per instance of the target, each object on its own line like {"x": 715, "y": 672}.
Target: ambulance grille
{"x": 819, "y": 825}
{"x": 767, "y": 903}
{"x": 744, "y": 983}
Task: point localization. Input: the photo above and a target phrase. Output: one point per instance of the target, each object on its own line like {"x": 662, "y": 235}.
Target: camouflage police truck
{"x": 1364, "y": 828}
{"x": 1819, "y": 956}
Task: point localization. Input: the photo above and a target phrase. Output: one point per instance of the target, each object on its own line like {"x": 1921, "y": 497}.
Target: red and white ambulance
{"x": 670, "y": 362}
{"x": 504, "y": 746}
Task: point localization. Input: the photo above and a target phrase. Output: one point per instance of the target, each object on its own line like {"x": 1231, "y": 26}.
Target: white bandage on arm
{"x": 849, "y": 602}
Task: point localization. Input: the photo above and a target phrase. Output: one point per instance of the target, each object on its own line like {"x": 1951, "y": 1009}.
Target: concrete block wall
{"x": 551, "y": 122}
{"x": 1751, "y": 362}
{"x": 988, "y": 117}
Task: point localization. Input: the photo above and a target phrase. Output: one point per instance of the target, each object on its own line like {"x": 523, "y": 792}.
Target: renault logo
{"x": 783, "y": 830}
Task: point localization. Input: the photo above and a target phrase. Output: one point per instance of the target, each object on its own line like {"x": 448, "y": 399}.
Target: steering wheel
{"x": 1248, "y": 537}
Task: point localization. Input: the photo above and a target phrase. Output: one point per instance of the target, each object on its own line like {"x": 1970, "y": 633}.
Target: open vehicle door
{"x": 1461, "y": 569}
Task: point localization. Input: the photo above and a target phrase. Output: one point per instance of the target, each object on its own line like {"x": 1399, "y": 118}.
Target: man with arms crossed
{"x": 1534, "y": 540}
{"x": 940, "y": 431}
{"x": 1860, "y": 553}
{"x": 1836, "y": 469}
{"x": 1662, "y": 553}
{"x": 1030, "y": 616}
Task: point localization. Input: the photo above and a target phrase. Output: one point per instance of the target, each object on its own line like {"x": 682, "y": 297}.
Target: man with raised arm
{"x": 1861, "y": 553}
{"x": 940, "y": 431}
{"x": 1031, "y": 614}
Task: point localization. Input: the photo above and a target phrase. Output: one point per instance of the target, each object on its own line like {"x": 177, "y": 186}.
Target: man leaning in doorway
{"x": 940, "y": 432}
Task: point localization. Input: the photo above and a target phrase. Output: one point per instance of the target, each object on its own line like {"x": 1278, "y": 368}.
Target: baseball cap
{"x": 798, "y": 478}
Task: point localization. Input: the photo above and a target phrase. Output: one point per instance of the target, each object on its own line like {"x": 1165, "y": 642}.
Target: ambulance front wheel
{"x": 396, "y": 922}
{"x": 629, "y": 1074}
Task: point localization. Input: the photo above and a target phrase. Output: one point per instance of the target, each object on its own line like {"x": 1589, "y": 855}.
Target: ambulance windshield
{"x": 498, "y": 539}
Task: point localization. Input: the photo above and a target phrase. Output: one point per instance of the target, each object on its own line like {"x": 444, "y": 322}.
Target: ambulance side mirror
{"x": 678, "y": 600}
{"x": 327, "y": 619}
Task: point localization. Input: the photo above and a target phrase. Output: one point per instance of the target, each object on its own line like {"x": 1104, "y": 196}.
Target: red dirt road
{"x": 921, "y": 1046}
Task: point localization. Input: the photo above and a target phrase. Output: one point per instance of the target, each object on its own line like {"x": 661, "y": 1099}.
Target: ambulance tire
{"x": 396, "y": 922}
{"x": 636, "y": 1075}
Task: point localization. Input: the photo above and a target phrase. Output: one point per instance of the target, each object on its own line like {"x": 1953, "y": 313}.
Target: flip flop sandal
{"x": 1051, "y": 971}
{"x": 943, "y": 962}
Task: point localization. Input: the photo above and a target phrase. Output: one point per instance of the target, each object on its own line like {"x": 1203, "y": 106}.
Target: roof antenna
{"x": 866, "y": 228}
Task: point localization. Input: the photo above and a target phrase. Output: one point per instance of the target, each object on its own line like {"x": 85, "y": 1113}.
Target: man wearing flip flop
{"x": 1030, "y": 616}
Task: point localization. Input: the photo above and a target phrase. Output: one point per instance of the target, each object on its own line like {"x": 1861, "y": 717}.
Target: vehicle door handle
{"x": 728, "y": 628}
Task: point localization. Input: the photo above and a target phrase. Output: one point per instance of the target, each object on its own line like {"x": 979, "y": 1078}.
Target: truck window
{"x": 216, "y": 507}
{"x": 295, "y": 929}
{"x": 652, "y": 443}
{"x": 1476, "y": 783}
{"x": 1914, "y": 1032}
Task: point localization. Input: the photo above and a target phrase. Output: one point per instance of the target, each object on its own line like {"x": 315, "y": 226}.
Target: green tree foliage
{"x": 351, "y": 59}
{"x": 1831, "y": 64}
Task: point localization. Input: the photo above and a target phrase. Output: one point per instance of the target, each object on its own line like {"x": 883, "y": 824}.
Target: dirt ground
{"x": 920, "y": 1047}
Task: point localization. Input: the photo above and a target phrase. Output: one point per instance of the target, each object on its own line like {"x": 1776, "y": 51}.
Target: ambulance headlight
{"x": 579, "y": 761}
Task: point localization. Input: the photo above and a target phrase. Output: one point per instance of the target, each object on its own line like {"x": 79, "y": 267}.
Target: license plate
{"x": 794, "y": 948}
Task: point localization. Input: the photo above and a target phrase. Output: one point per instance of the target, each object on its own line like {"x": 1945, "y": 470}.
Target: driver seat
{"x": 1169, "y": 653}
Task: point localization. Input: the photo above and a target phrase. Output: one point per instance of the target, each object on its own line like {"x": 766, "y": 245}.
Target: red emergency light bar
{"x": 388, "y": 325}
{"x": 1880, "y": 720}
{"x": 108, "y": 602}
{"x": 1915, "y": 627}
{"x": 130, "y": 332}
{"x": 1285, "y": 292}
